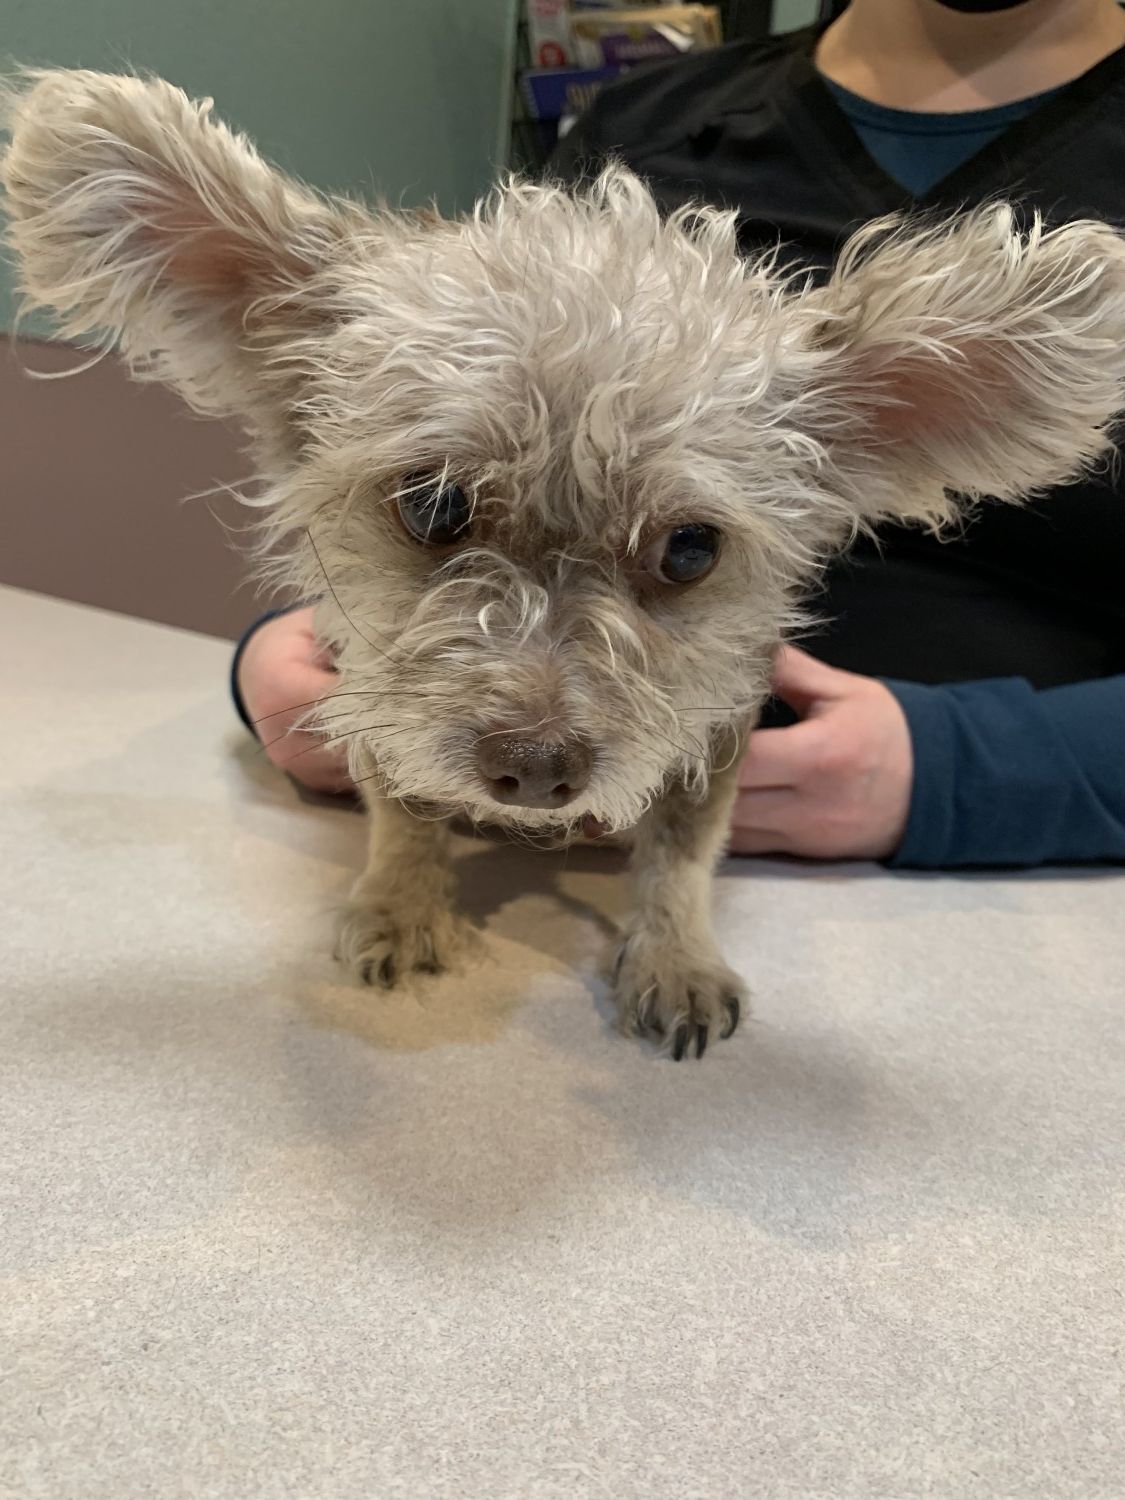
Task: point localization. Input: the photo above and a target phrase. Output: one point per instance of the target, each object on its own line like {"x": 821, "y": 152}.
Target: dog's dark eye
{"x": 434, "y": 511}
{"x": 684, "y": 554}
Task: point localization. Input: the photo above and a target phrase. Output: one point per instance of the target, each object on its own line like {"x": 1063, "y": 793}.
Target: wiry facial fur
{"x": 592, "y": 375}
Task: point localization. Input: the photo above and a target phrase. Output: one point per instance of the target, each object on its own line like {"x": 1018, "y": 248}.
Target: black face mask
{"x": 980, "y": 7}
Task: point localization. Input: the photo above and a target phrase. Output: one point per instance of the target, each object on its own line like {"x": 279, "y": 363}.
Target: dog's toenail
{"x": 734, "y": 1011}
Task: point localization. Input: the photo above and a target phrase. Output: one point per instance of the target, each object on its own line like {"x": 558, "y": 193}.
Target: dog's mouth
{"x": 553, "y": 832}
{"x": 505, "y": 823}
{"x": 542, "y": 836}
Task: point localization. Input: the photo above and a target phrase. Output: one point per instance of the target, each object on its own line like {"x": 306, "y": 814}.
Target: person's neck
{"x": 921, "y": 55}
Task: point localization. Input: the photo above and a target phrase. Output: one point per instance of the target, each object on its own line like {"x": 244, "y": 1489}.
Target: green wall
{"x": 788, "y": 15}
{"x": 405, "y": 97}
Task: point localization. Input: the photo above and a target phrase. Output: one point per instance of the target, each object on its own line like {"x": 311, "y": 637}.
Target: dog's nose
{"x": 522, "y": 771}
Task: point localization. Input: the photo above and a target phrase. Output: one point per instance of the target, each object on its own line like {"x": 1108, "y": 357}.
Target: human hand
{"x": 836, "y": 785}
{"x": 283, "y": 672}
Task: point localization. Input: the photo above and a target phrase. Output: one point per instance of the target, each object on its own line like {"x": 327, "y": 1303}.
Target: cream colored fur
{"x": 592, "y": 375}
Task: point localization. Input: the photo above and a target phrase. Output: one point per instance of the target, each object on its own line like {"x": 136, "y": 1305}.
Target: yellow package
{"x": 608, "y": 38}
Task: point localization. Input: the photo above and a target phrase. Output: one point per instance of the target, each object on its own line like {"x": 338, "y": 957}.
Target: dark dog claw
{"x": 734, "y": 1012}
{"x": 385, "y": 975}
{"x": 700, "y": 1040}
{"x": 679, "y": 1043}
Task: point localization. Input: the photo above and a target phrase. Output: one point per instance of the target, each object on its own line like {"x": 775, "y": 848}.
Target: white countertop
{"x": 264, "y": 1234}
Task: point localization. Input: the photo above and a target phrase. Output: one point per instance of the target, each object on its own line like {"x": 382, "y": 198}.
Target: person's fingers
{"x": 282, "y": 682}
{"x": 305, "y": 643}
{"x": 758, "y": 841}
{"x": 779, "y": 757}
{"x": 286, "y": 734}
{"x": 323, "y": 660}
{"x": 279, "y": 674}
{"x": 324, "y": 767}
{"x": 800, "y": 680}
{"x": 771, "y": 809}
{"x": 301, "y": 683}
{"x": 310, "y": 754}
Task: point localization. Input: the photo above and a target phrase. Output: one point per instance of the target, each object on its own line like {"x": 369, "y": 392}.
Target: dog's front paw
{"x": 684, "y": 996}
{"x": 381, "y": 943}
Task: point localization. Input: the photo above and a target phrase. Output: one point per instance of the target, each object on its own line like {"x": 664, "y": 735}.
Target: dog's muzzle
{"x": 521, "y": 770}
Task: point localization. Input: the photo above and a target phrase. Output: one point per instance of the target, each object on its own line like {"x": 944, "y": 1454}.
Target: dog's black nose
{"x": 522, "y": 771}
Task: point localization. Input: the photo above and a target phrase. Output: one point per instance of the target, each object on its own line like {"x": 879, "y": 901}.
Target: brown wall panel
{"x": 95, "y": 475}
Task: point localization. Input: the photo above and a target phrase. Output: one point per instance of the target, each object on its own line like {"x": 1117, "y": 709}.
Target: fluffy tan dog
{"x": 561, "y": 471}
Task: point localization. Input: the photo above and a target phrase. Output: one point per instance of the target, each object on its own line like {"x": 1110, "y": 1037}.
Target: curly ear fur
{"x": 970, "y": 356}
{"x": 131, "y": 210}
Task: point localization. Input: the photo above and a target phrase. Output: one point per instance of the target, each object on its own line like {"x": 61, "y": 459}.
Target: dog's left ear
{"x": 134, "y": 212}
{"x": 972, "y": 358}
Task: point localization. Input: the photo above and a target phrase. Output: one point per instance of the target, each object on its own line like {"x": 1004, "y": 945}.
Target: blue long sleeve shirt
{"x": 1005, "y": 775}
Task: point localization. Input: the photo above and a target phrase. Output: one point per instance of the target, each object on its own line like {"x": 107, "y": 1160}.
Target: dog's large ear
{"x": 972, "y": 358}
{"x": 133, "y": 212}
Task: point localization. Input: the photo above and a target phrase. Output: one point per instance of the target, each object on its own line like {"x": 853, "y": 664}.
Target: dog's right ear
{"x": 962, "y": 359}
{"x": 135, "y": 213}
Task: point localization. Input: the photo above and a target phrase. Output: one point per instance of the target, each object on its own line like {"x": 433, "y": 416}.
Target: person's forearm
{"x": 1008, "y": 776}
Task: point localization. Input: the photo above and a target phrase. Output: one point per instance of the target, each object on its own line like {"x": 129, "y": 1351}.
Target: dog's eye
{"x": 685, "y": 554}
{"x": 434, "y": 512}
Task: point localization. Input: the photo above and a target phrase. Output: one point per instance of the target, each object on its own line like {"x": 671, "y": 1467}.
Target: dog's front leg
{"x": 401, "y": 915}
{"x": 670, "y": 978}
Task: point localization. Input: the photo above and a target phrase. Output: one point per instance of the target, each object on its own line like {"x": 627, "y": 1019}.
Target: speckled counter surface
{"x": 265, "y": 1235}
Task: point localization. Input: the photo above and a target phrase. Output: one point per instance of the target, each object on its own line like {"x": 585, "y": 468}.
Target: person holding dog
{"x": 963, "y": 702}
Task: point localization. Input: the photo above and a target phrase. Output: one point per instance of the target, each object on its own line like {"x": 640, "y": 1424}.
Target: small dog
{"x": 562, "y": 471}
